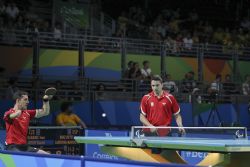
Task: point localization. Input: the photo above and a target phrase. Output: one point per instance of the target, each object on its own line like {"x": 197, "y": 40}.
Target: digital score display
{"x": 56, "y": 140}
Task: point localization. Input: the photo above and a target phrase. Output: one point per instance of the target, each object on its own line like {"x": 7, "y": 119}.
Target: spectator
{"x": 228, "y": 86}
{"x": 188, "y": 42}
{"x": 12, "y": 11}
{"x": 169, "y": 85}
{"x": 19, "y": 25}
{"x": 75, "y": 93}
{"x": 216, "y": 88}
{"x": 129, "y": 66}
{"x": 246, "y": 86}
{"x": 135, "y": 71}
{"x": 189, "y": 85}
{"x": 122, "y": 23}
{"x": 67, "y": 117}
{"x": 100, "y": 94}
{"x": 146, "y": 70}
{"x": 60, "y": 94}
{"x": 57, "y": 33}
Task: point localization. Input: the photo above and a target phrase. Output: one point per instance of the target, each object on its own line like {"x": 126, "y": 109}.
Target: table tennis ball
{"x": 103, "y": 114}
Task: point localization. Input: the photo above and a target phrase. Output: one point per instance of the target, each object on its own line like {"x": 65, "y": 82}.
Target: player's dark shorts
{"x": 21, "y": 147}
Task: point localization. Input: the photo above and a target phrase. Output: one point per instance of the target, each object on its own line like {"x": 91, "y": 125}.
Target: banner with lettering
{"x": 74, "y": 13}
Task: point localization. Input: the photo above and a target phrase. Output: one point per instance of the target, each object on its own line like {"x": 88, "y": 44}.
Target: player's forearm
{"x": 178, "y": 119}
{"x": 144, "y": 120}
{"x": 46, "y": 108}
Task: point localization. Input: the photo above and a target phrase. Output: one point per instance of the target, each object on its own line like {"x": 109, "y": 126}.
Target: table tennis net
{"x": 141, "y": 132}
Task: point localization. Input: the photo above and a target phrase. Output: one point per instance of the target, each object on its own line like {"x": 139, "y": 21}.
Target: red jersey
{"x": 17, "y": 128}
{"x": 159, "y": 111}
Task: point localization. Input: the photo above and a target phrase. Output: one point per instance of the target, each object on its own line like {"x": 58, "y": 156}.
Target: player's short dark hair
{"x": 65, "y": 106}
{"x": 156, "y": 78}
{"x": 18, "y": 94}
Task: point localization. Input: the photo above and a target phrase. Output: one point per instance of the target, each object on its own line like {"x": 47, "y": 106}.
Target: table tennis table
{"x": 221, "y": 152}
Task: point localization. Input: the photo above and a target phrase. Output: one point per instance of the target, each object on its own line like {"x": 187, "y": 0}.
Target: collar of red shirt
{"x": 164, "y": 93}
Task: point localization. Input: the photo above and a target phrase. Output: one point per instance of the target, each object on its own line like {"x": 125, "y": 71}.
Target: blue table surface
{"x": 205, "y": 144}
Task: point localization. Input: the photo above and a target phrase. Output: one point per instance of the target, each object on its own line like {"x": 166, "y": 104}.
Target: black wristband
{"x": 45, "y": 100}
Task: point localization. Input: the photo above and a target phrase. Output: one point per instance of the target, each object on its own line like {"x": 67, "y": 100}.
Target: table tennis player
{"x": 17, "y": 121}
{"x": 157, "y": 108}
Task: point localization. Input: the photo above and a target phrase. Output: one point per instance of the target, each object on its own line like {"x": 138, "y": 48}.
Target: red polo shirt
{"x": 159, "y": 111}
{"x": 17, "y": 128}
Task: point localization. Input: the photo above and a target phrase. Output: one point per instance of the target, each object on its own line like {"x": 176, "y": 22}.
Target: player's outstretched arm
{"x": 45, "y": 110}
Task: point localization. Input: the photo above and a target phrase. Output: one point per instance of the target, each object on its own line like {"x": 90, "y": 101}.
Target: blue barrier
{"x": 126, "y": 113}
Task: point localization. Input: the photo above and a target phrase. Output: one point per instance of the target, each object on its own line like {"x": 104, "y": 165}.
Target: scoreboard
{"x": 56, "y": 139}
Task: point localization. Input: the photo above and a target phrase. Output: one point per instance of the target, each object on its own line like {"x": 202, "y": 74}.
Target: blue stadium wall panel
{"x": 72, "y": 71}
{"x": 126, "y": 113}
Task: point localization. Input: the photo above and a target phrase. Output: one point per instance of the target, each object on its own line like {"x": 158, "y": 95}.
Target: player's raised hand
{"x": 49, "y": 93}
{"x": 47, "y": 97}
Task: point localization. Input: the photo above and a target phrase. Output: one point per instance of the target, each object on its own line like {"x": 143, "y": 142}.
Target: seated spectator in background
{"x": 169, "y": 85}
{"x": 12, "y": 11}
{"x": 228, "y": 86}
{"x": 60, "y": 94}
{"x": 216, "y": 87}
{"x": 188, "y": 42}
{"x": 146, "y": 70}
{"x": 189, "y": 85}
{"x": 135, "y": 71}
{"x": 12, "y": 88}
{"x": 129, "y": 66}
{"x": 100, "y": 94}
{"x": 75, "y": 93}
{"x": 67, "y": 117}
{"x": 246, "y": 86}
{"x": 57, "y": 33}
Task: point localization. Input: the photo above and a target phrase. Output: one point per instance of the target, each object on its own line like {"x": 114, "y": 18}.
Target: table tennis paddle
{"x": 50, "y": 91}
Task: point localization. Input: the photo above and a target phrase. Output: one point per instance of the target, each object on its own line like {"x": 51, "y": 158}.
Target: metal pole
{"x": 200, "y": 58}
{"x": 235, "y": 58}
{"x": 163, "y": 55}
{"x": 81, "y": 71}
{"x": 35, "y": 65}
{"x": 123, "y": 55}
